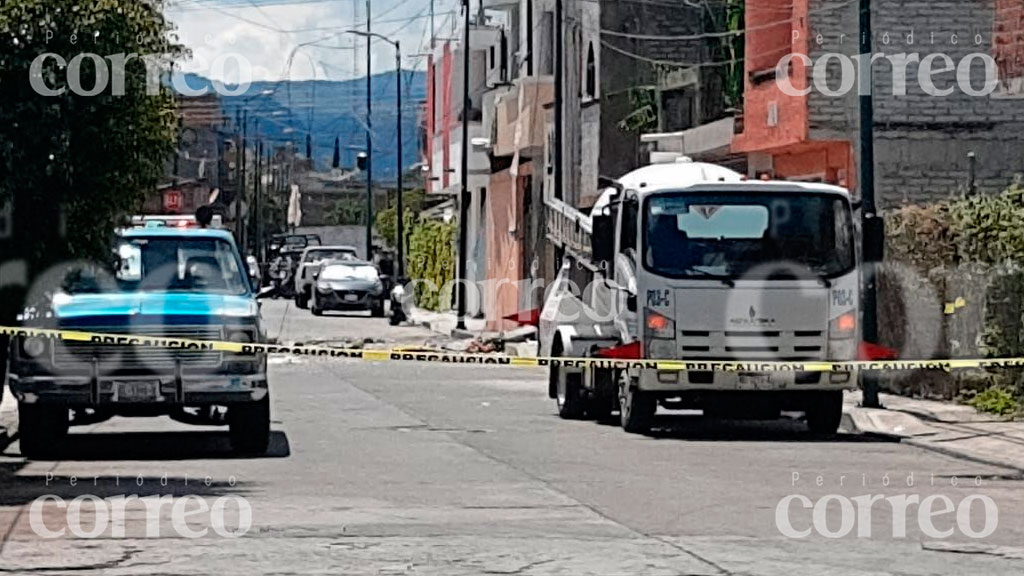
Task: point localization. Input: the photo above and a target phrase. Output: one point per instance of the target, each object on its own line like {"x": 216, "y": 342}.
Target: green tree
{"x": 72, "y": 166}
{"x": 384, "y": 221}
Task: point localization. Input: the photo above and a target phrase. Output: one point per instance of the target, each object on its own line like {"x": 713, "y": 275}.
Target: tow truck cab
{"x": 696, "y": 263}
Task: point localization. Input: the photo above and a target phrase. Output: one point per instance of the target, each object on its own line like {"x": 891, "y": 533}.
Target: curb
{"x": 851, "y": 424}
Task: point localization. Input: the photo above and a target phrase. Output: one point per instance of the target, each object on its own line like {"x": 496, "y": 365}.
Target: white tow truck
{"x": 682, "y": 260}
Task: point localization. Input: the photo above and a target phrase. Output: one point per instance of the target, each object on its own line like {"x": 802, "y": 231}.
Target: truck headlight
{"x": 843, "y": 326}
{"x": 242, "y": 337}
{"x": 33, "y": 347}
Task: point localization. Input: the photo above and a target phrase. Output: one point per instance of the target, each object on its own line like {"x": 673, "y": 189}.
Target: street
{"x": 432, "y": 469}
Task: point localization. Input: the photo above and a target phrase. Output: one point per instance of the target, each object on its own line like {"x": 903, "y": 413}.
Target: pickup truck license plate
{"x": 754, "y": 380}
{"x": 351, "y": 297}
{"x": 136, "y": 391}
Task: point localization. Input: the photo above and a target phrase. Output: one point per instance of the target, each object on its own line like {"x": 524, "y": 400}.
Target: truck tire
{"x": 636, "y": 407}
{"x": 568, "y": 390}
{"x": 315, "y": 308}
{"x": 825, "y": 412}
{"x": 603, "y": 399}
{"x": 302, "y": 300}
{"x": 249, "y": 426}
{"x": 41, "y": 429}
{"x": 570, "y": 396}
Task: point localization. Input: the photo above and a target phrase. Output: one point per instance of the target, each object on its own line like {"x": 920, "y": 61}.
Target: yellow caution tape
{"x": 438, "y": 356}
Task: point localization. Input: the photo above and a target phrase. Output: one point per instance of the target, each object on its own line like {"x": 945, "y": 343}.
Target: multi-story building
{"x": 947, "y": 80}
{"x": 444, "y": 122}
{"x": 202, "y": 163}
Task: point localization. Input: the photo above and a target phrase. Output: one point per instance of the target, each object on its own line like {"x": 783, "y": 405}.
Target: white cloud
{"x": 233, "y": 32}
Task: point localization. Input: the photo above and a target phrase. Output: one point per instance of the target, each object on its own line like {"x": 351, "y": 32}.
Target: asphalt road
{"x": 429, "y": 469}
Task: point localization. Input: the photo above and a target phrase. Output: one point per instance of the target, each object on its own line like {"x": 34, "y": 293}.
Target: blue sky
{"x": 264, "y": 33}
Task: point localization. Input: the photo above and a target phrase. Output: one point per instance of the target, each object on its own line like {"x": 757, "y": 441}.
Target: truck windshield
{"x": 205, "y": 265}
{"x": 731, "y": 235}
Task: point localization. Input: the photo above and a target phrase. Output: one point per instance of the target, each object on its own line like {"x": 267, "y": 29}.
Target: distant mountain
{"x": 288, "y": 111}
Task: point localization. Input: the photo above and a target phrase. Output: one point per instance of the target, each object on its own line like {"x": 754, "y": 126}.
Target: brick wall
{"x": 619, "y": 152}
{"x": 922, "y": 140}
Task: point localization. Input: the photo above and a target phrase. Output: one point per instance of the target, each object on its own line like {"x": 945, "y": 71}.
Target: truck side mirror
{"x": 602, "y": 238}
{"x": 873, "y": 238}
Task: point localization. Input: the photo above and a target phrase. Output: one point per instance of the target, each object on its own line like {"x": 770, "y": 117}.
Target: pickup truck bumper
{"x": 190, "y": 389}
{"x": 674, "y": 381}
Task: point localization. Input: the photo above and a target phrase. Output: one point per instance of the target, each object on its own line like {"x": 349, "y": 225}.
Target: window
{"x": 157, "y": 264}
{"x": 590, "y": 90}
{"x": 734, "y": 234}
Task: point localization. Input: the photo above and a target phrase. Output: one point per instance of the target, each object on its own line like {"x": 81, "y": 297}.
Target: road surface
{"x": 449, "y": 471}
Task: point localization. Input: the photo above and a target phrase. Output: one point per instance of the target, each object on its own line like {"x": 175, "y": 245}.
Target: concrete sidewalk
{"x": 445, "y": 322}
{"x": 951, "y": 429}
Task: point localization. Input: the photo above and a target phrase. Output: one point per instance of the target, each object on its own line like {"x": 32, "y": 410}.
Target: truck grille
{"x": 753, "y": 345}
{"x": 119, "y": 356}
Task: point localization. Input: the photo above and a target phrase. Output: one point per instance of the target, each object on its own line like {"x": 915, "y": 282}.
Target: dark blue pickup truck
{"x": 171, "y": 282}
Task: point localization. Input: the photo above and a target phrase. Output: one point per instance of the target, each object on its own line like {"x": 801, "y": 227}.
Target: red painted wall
{"x": 1009, "y": 38}
{"x": 771, "y": 22}
{"x": 446, "y": 111}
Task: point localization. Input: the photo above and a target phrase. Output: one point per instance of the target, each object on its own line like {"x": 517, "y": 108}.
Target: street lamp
{"x": 400, "y": 224}
{"x": 369, "y": 132}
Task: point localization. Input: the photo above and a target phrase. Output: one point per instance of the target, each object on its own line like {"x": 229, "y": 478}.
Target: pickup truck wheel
{"x": 636, "y": 407}
{"x": 825, "y": 412}
{"x": 315, "y": 307}
{"x": 377, "y": 309}
{"x": 302, "y": 300}
{"x": 41, "y": 429}
{"x": 249, "y": 426}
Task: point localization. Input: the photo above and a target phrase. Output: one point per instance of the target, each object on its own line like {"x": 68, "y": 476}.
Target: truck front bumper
{"x": 190, "y": 389}
{"x": 678, "y": 381}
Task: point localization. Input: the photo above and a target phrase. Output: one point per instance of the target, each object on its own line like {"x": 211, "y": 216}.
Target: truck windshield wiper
{"x": 723, "y": 279}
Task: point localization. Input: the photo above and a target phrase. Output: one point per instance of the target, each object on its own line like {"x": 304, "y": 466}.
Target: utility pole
{"x": 464, "y": 195}
{"x": 258, "y": 193}
{"x": 559, "y": 97}
{"x": 241, "y": 206}
{"x": 399, "y": 220}
{"x": 869, "y": 379}
{"x": 369, "y": 141}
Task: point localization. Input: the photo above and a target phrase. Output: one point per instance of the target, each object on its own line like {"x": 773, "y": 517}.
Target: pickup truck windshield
{"x": 155, "y": 264}
{"x": 697, "y": 235}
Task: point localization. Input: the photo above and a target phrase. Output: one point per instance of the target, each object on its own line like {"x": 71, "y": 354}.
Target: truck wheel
{"x": 315, "y": 306}
{"x": 825, "y": 412}
{"x": 41, "y": 428}
{"x": 636, "y": 407}
{"x": 249, "y": 426}
{"x": 302, "y": 300}
{"x": 603, "y": 400}
{"x": 569, "y": 395}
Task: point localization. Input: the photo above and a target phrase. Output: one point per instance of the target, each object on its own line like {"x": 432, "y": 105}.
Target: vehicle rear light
{"x": 631, "y": 351}
{"x": 658, "y": 325}
{"x": 844, "y": 326}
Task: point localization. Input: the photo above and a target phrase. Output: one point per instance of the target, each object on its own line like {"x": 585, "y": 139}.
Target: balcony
{"x": 522, "y": 109}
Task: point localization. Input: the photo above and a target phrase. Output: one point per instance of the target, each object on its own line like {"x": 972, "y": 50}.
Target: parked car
{"x": 170, "y": 282}
{"x": 310, "y": 264}
{"x": 349, "y": 285}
